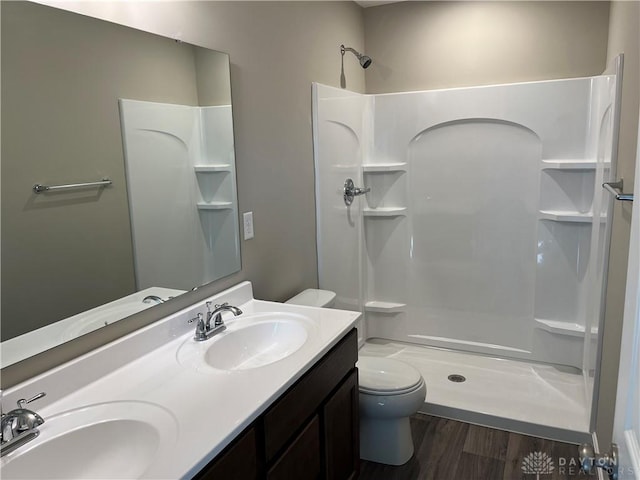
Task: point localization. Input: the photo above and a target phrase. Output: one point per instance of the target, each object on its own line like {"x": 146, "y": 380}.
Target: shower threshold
{"x": 530, "y": 398}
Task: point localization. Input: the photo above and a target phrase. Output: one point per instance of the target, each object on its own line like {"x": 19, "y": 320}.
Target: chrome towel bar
{"x": 38, "y": 188}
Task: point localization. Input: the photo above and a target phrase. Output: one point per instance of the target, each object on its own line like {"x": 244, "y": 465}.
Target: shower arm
{"x": 344, "y": 49}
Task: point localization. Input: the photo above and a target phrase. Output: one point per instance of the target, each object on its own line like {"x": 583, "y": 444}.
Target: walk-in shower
{"x": 478, "y": 250}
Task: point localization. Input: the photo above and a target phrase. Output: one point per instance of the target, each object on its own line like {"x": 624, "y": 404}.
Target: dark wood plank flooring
{"x": 450, "y": 450}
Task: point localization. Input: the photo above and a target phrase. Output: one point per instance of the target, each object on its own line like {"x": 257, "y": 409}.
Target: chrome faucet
{"x": 204, "y": 329}
{"x": 154, "y": 298}
{"x": 19, "y": 426}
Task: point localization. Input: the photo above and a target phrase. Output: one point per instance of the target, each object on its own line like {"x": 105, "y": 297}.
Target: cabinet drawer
{"x": 303, "y": 399}
{"x": 302, "y": 458}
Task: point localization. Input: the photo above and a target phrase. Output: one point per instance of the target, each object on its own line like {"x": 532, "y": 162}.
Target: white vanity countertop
{"x": 208, "y": 407}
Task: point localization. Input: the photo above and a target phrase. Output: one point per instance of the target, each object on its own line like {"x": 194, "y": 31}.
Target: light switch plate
{"x": 247, "y": 222}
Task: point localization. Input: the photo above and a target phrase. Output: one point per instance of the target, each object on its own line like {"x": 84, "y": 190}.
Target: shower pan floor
{"x": 530, "y": 398}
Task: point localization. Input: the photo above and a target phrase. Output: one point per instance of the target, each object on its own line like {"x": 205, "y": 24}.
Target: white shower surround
{"x": 476, "y": 233}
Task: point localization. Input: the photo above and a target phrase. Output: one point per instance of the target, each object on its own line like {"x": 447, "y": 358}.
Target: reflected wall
{"x": 62, "y": 76}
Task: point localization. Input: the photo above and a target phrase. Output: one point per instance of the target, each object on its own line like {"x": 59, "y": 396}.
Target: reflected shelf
{"x": 215, "y": 205}
{"x": 212, "y": 168}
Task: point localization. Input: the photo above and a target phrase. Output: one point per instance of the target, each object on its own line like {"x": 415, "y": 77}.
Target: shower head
{"x": 365, "y": 60}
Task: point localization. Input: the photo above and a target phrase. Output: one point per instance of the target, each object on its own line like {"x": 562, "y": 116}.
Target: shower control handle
{"x": 351, "y": 191}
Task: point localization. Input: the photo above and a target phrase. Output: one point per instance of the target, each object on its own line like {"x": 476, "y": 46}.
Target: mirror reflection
{"x": 85, "y": 100}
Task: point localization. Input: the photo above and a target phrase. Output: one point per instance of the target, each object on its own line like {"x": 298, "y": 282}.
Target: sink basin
{"x": 111, "y": 440}
{"x": 248, "y": 342}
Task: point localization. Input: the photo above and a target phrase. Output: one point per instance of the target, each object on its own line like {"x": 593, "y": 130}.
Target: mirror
{"x": 85, "y": 100}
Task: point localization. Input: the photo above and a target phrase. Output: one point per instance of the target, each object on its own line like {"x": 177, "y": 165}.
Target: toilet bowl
{"x": 390, "y": 392}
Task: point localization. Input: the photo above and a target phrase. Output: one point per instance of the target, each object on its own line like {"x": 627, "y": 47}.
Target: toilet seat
{"x": 386, "y": 376}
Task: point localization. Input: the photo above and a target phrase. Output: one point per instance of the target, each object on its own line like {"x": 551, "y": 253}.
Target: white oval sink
{"x": 111, "y": 440}
{"x": 248, "y": 342}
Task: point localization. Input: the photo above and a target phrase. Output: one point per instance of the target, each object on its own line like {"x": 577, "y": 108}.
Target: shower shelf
{"x": 563, "y": 328}
{"x": 562, "y": 164}
{"x": 384, "y": 212}
{"x": 384, "y": 307}
{"x": 212, "y": 168}
{"x": 215, "y": 206}
{"x": 384, "y": 167}
{"x": 566, "y": 216}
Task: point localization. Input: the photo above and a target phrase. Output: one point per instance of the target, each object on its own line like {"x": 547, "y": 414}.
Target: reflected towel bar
{"x": 615, "y": 188}
{"x": 38, "y": 188}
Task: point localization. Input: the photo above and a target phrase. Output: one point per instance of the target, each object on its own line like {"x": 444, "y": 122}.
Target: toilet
{"x": 390, "y": 392}
{"x": 313, "y": 297}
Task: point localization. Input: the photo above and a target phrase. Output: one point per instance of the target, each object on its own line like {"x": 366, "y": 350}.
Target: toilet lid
{"x": 386, "y": 375}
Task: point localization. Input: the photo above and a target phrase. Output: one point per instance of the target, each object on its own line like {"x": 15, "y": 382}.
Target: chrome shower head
{"x": 364, "y": 60}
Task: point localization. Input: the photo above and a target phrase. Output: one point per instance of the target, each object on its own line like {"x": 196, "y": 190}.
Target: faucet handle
{"x": 22, "y": 402}
{"x": 201, "y": 329}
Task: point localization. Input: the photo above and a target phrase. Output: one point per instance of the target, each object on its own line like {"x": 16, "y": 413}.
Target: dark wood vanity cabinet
{"x": 310, "y": 432}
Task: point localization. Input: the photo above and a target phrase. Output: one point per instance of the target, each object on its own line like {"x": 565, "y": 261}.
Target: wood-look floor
{"x": 450, "y": 450}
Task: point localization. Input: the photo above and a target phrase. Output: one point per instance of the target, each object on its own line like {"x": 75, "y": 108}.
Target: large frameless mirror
{"x": 146, "y": 123}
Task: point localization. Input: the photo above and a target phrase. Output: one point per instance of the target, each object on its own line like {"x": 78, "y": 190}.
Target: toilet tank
{"x": 313, "y": 297}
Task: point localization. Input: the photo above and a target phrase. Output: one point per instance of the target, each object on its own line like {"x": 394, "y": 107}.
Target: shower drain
{"x": 456, "y": 378}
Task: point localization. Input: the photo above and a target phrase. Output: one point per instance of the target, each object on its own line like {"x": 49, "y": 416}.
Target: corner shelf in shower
{"x": 568, "y": 164}
{"x": 384, "y": 307}
{"x": 566, "y": 216}
{"x": 384, "y": 212}
{"x": 384, "y": 167}
{"x": 216, "y": 168}
{"x": 563, "y": 328}
{"x": 215, "y": 205}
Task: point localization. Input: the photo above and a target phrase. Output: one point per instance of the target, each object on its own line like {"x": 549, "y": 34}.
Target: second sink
{"x": 110, "y": 440}
{"x": 249, "y": 342}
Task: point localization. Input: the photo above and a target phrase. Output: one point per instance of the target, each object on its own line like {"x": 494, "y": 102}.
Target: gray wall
{"x": 428, "y": 45}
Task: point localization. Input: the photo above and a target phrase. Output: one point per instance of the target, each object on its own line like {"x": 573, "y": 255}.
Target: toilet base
{"x": 386, "y": 440}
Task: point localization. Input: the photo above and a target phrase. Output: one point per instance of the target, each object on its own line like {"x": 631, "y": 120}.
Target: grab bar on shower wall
{"x": 615, "y": 188}
{"x": 38, "y": 188}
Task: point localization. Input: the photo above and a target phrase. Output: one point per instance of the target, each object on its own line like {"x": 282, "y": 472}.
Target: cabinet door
{"x": 342, "y": 431}
{"x": 238, "y": 462}
{"x": 290, "y": 412}
{"x": 302, "y": 459}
